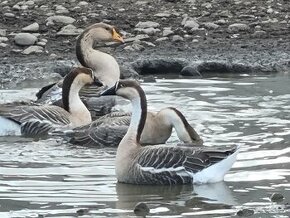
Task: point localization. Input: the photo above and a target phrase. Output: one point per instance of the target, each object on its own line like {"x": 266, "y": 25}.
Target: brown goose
{"x": 110, "y": 129}
{"x": 105, "y": 68}
{"x": 38, "y": 120}
{"x": 163, "y": 164}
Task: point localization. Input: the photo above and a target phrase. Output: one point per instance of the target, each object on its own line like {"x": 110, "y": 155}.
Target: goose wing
{"x": 49, "y": 113}
{"x": 177, "y": 165}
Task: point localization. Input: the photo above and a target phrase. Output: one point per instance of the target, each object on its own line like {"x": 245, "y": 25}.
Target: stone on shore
{"x": 69, "y": 30}
{"x": 59, "y": 19}
{"x": 238, "y": 27}
{"x": 147, "y": 24}
{"x": 34, "y": 27}
{"x": 25, "y": 39}
{"x": 33, "y": 49}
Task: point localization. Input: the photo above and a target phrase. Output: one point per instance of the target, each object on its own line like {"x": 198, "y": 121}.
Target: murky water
{"x": 54, "y": 179}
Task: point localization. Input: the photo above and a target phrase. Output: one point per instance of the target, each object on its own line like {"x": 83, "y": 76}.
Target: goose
{"x": 163, "y": 164}
{"x": 39, "y": 120}
{"x": 105, "y": 68}
{"x": 111, "y": 128}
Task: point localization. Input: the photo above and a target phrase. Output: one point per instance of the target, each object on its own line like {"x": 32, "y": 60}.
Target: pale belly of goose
{"x": 9, "y": 127}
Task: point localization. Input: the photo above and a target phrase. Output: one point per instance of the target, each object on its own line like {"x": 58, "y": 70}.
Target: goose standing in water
{"x": 105, "y": 68}
{"x": 110, "y": 129}
{"x": 39, "y": 120}
{"x": 163, "y": 164}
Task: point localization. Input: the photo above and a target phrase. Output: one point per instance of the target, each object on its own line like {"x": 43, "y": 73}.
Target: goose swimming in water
{"x": 38, "y": 120}
{"x": 163, "y": 164}
{"x": 105, "y": 68}
{"x": 111, "y": 128}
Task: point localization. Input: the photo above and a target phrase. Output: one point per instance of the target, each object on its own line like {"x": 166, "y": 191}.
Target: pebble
{"x": 245, "y": 212}
{"x": 277, "y": 197}
{"x": 177, "y": 38}
{"x": 34, "y": 27}
{"x": 25, "y": 39}
{"x": 147, "y": 24}
{"x": 3, "y": 39}
{"x": 221, "y": 22}
{"x": 42, "y": 44}
{"x": 162, "y": 39}
{"x": 167, "y": 32}
{"x": 211, "y": 26}
{"x": 59, "y": 19}
{"x": 33, "y": 49}
{"x": 270, "y": 11}
{"x": 61, "y": 10}
{"x": 237, "y": 27}
{"x": 136, "y": 46}
{"x": 141, "y": 209}
{"x": 149, "y": 31}
{"x": 3, "y": 45}
{"x": 2, "y": 32}
{"x": 9, "y": 15}
{"x": 16, "y": 7}
{"x": 259, "y": 34}
{"x": 83, "y": 4}
{"x": 190, "y": 23}
{"x": 69, "y": 30}
{"x": 162, "y": 15}
{"x": 137, "y": 38}
{"x": 195, "y": 41}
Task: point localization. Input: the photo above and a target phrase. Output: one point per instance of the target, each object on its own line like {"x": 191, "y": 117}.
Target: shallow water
{"x": 55, "y": 179}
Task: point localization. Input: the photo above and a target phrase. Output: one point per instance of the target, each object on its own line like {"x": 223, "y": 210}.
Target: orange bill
{"x": 117, "y": 37}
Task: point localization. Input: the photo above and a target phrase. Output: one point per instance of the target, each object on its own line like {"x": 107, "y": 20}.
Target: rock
{"x": 190, "y": 71}
{"x": 34, "y": 27}
{"x": 211, "y": 26}
{"x": 148, "y": 44}
{"x": 25, "y": 39}
{"x": 136, "y": 46}
{"x": 16, "y": 7}
{"x": 83, "y": 4}
{"x": 177, "y": 38}
{"x": 33, "y": 49}
{"x": 147, "y": 24}
{"x": 270, "y": 11}
{"x": 61, "y": 10}
{"x": 190, "y": 24}
{"x": 42, "y": 44}
{"x": 69, "y": 30}
{"x": 259, "y": 34}
{"x": 137, "y": 38}
{"x": 221, "y": 22}
{"x": 141, "y": 209}
{"x": 277, "y": 197}
{"x": 3, "y": 45}
{"x": 167, "y": 32}
{"x": 150, "y": 31}
{"x": 3, "y": 39}
{"x": 162, "y": 39}
{"x": 59, "y": 19}
{"x": 245, "y": 212}
{"x": 237, "y": 27}
{"x": 9, "y": 15}
{"x": 162, "y": 15}
{"x": 2, "y": 32}
{"x": 195, "y": 41}
{"x": 82, "y": 212}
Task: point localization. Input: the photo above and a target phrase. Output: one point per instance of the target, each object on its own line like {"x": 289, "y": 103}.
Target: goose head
{"x": 129, "y": 89}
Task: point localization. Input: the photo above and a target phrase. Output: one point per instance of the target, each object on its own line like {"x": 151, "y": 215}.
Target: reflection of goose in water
{"x": 105, "y": 68}
{"x": 163, "y": 164}
{"x": 178, "y": 198}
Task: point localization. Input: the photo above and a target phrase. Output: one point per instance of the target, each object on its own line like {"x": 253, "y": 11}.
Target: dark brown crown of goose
{"x": 67, "y": 82}
{"x": 79, "y": 54}
{"x": 143, "y": 101}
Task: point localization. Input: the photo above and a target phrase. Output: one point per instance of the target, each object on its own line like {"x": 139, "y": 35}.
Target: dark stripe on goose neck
{"x": 79, "y": 52}
{"x": 143, "y": 105}
{"x": 67, "y": 82}
{"x": 188, "y": 127}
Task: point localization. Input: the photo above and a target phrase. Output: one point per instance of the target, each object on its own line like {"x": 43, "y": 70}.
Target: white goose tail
{"x": 217, "y": 171}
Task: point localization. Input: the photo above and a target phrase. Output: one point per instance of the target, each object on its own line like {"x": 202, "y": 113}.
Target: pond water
{"x": 52, "y": 179}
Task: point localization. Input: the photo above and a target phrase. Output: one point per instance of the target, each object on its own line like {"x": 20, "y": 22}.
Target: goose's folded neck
{"x": 102, "y": 63}
{"x": 71, "y": 99}
{"x": 138, "y": 118}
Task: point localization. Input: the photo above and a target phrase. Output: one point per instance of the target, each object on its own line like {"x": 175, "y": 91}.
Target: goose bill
{"x": 117, "y": 37}
{"x": 110, "y": 91}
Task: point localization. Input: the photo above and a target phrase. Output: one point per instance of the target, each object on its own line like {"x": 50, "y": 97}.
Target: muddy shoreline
{"x": 162, "y": 36}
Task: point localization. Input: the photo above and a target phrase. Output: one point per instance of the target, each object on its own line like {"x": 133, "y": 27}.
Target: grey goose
{"x": 163, "y": 164}
{"x": 39, "y": 120}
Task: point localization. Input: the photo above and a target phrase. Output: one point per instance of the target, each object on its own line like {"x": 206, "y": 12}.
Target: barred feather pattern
{"x": 169, "y": 165}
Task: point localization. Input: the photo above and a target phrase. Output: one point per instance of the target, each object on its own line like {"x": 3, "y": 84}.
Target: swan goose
{"x": 105, "y": 68}
{"x": 163, "y": 164}
{"x": 39, "y": 120}
{"x": 111, "y": 128}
